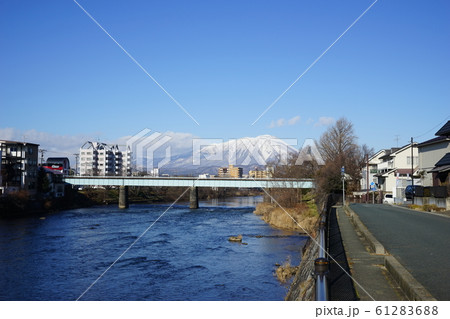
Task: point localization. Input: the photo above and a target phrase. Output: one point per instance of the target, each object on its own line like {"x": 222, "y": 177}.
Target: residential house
{"x": 433, "y": 155}
{"x": 56, "y": 183}
{"x": 395, "y": 170}
{"x": 369, "y": 172}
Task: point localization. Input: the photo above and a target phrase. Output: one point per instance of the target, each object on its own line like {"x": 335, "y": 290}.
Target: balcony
{"x": 385, "y": 166}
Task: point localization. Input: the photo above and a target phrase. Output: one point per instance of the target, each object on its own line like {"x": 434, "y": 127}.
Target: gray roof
{"x": 445, "y": 160}
{"x": 16, "y": 142}
{"x": 445, "y": 130}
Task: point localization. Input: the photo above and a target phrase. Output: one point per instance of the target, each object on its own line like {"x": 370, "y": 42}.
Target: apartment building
{"x": 230, "y": 171}
{"x": 267, "y": 173}
{"x": 100, "y": 159}
{"x": 19, "y": 165}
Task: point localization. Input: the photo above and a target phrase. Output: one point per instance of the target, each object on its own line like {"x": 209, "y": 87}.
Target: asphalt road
{"x": 420, "y": 242}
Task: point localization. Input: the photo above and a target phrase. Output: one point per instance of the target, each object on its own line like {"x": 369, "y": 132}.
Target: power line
{"x": 434, "y": 127}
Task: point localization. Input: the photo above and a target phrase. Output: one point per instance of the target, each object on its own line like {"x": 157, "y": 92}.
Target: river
{"x": 185, "y": 255}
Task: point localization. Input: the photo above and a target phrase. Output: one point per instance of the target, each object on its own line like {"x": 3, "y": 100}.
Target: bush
{"x": 432, "y": 208}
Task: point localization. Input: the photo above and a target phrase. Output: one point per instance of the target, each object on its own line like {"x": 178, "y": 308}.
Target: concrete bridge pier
{"x": 193, "y": 198}
{"x": 123, "y": 197}
{"x": 266, "y": 197}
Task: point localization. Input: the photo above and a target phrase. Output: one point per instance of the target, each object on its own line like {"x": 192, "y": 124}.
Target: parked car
{"x": 413, "y": 191}
{"x": 388, "y": 199}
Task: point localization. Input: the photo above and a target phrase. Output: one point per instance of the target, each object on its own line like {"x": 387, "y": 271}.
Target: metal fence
{"x": 321, "y": 264}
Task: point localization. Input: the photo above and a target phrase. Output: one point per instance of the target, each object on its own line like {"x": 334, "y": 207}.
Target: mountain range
{"x": 248, "y": 153}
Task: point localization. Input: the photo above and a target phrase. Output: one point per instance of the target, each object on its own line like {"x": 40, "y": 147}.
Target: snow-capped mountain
{"x": 247, "y": 152}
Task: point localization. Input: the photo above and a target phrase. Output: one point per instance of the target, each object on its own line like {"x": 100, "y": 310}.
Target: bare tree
{"x": 290, "y": 169}
{"x": 338, "y": 147}
{"x": 338, "y": 141}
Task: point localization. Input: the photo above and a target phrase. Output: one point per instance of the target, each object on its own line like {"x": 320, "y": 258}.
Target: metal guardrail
{"x": 321, "y": 264}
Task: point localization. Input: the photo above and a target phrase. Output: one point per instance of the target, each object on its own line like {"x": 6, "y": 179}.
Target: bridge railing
{"x": 188, "y": 181}
{"x": 321, "y": 264}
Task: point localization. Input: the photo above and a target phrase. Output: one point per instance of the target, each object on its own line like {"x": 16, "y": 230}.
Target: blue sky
{"x": 225, "y": 62}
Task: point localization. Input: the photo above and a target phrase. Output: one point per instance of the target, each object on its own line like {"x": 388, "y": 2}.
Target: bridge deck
{"x": 188, "y": 181}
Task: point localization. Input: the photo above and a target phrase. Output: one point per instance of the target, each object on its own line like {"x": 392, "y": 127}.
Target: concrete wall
{"x": 439, "y": 202}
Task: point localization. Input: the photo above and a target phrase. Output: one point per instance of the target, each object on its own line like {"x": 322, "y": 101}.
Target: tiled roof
{"x": 433, "y": 140}
{"x": 445, "y": 160}
{"x": 440, "y": 169}
{"x": 404, "y": 171}
{"x": 445, "y": 130}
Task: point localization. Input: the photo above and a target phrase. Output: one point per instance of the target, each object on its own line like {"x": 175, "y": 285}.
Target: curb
{"x": 409, "y": 285}
{"x": 421, "y": 211}
{"x": 375, "y": 245}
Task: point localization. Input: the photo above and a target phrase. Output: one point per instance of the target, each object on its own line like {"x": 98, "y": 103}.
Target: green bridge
{"x": 125, "y": 181}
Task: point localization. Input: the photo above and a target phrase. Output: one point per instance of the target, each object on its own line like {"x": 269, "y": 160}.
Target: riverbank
{"x": 302, "y": 217}
{"x": 21, "y": 204}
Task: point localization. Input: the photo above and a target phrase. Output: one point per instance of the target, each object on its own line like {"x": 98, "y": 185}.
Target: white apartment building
{"x": 100, "y": 159}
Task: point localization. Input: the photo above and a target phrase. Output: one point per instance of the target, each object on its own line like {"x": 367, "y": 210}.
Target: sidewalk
{"x": 371, "y": 279}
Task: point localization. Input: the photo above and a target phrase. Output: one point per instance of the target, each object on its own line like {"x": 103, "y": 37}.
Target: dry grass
{"x": 300, "y": 218}
{"x": 285, "y": 271}
{"x": 427, "y": 208}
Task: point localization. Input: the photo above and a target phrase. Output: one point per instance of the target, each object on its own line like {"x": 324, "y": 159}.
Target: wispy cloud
{"x": 179, "y": 142}
{"x": 277, "y": 123}
{"x": 68, "y": 145}
{"x": 294, "y": 120}
{"x": 324, "y": 121}
{"x": 283, "y": 122}
{"x": 56, "y": 145}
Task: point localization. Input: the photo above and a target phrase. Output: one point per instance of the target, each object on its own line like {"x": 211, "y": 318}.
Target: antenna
{"x": 397, "y": 137}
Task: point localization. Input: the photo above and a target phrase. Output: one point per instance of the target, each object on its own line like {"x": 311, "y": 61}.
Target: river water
{"x": 185, "y": 255}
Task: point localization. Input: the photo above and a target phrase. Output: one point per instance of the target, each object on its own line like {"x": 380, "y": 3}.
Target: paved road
{"x": 420, "y": 242}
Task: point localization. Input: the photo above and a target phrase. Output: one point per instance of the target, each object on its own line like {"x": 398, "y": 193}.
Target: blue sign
{"x": 372, "y": 186}
{"x": 343, "y": 170}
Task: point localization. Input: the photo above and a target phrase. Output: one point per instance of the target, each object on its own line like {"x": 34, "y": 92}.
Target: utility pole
{"x": 42, "y": 151}
{"x": 76, "y": 163}
{"x": 343, "y": 185}
{"x": 367, "y": 178}
{"x": 412, "y": 168}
